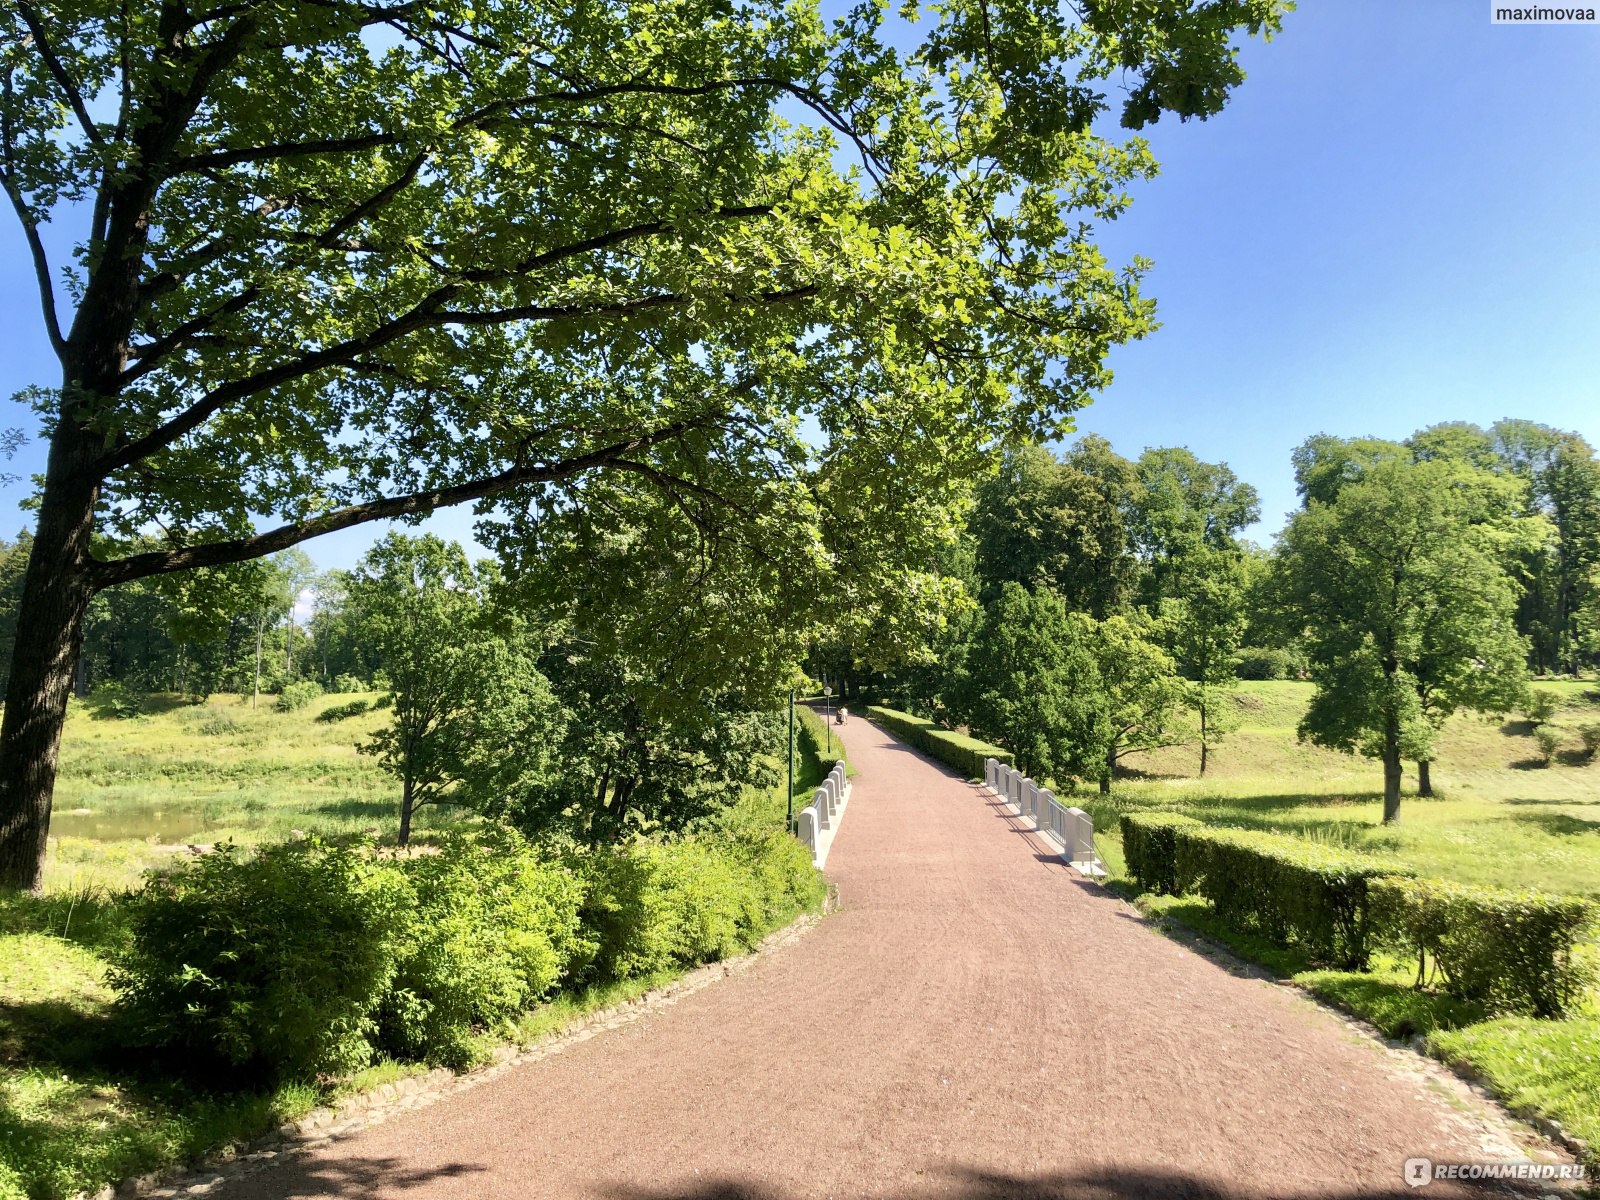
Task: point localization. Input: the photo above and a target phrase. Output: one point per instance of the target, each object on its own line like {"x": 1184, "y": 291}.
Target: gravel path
{"x": 974, "y": 1022}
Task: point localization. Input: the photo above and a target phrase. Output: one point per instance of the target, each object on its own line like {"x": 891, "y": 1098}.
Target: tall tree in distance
{"x": 1061, "y": 523}
{"x": 1032, "y": 685}
{"x": 358, "y": 261}
{"x": 470, "y": 710}
{"x": 1393, "y": 582}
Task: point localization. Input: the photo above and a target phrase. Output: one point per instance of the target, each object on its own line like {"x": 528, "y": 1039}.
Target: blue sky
{"x": 1395, "y": 222}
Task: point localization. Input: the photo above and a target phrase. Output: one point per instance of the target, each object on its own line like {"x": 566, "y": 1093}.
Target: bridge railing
{"x": 819, "y": 820}
{"x": 1071, "y": 828}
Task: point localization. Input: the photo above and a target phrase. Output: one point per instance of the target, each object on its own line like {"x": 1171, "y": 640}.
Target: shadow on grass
{"x": 1556, "y": 824}
{"x": 1518, "y": 728}
{"x": 57, "y": 1033}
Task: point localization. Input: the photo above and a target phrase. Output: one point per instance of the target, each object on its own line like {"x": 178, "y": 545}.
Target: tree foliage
{"x": 351, "y": 261}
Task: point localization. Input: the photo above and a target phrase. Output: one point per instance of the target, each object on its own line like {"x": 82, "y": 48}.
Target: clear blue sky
{"x": 1395, "y": 222}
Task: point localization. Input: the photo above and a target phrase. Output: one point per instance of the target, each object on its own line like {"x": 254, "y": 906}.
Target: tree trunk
{"x": 1111, "y": 769}
{"x": 1391, "y": 770}
{"x": 50, "y": 619}
{"x": 255, "y": 696}
{"x": 407, "y": 800}
{"x": 1203, "y": 746}
{"x": 1424, "y": 778}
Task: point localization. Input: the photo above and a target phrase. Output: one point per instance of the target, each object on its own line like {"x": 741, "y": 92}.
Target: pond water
{"x": 168, "y": 825}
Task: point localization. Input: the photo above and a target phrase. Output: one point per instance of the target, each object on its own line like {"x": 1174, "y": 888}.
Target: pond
{"x": 169, "y": 825}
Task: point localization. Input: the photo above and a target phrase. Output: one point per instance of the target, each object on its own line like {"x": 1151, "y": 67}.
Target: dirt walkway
{"x": 975, "y": 1022}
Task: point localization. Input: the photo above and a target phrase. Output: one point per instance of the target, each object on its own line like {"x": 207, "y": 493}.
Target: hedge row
{"x": 1150, "y": 849}
{"x": 1285, "y": 888}
{"x": 1511, "y": 951}
{"x": 965, "y": 754}
{"x": 305, "y": 959}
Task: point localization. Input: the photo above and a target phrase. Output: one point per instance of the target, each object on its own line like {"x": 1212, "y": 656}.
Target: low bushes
{"x": 1150, "y": 848}
{"x": 1511, "y": 951}
{"x": 296, "y": 696}
{"x": 494, "y": 929}
{"x": 660, "y": 906}
{"x": 1264, "y": 662}
{"x": 270, "y": 964}
{"x": 1285, "y": 888}
{"x": 343, "y": 712}
{"x": 965, "y": 754}
{"x": 306, "y": 959}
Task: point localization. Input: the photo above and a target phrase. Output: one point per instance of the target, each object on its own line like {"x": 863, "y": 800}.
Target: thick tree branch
{"x": 216, "y": 554}
{"x": 41, "y": 266}
{"x": 426, "y": 314}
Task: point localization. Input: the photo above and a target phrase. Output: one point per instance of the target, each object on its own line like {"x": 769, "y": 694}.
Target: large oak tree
{"x": 352, "y": 260}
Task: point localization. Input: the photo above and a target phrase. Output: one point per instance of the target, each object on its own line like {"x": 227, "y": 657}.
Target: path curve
{"x": 974, "y": 1022}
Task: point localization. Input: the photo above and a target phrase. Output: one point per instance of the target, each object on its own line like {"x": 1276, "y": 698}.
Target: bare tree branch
{"x": 41, "y": 266}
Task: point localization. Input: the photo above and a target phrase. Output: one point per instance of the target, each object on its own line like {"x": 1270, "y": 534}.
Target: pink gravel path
{"x": 974, "y": 1022}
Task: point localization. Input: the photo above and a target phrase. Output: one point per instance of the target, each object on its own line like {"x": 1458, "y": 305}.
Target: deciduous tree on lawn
{"x": 347, "y": 261}
{"x": 1400, "y": 585}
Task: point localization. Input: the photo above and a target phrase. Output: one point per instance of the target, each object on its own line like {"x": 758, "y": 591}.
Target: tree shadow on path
{"x": 1118, "y": 1183}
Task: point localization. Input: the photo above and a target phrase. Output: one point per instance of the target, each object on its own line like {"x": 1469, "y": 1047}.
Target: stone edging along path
{"x": 365, "y": 1109}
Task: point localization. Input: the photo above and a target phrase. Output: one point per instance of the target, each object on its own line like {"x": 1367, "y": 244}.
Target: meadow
{"x": 135, "y": 790}
{"x": 1499, "y": 816}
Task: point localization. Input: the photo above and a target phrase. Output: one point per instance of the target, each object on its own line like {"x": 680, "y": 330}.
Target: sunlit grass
{"x": 1498, "y": 817}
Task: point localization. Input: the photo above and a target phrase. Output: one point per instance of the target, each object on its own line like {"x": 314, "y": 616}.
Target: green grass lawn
{"x": 1499, "y": 817}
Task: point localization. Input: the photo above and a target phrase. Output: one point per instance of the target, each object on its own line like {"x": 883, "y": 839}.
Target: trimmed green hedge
{"x": 1511, "y": 951}
{"x": 1150, "y": 848}
{"x": 965, "y": 754}
{"x": 1285, "y": 888}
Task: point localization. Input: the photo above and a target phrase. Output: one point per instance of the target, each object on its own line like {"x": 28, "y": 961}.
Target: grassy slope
{"x": 1499, "y": 817}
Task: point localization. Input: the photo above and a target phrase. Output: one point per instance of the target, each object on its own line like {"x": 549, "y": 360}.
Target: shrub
{"x": 781, "y": 870}
{"x": 297, "y": 695}
{"x": 1541, "y": 706}
{"x": 1150, "y": 848}
{"x": 343, "y": 712}
{"x": 652, "y": 907}
{"x": 268, "y": 963}
{"x": 494, "y": 929}
{"x": 965, "y": 754}
{"x": 1263, "y": 662}
{"x": 347, "y": 683}
{"x": 1547, "y": 740}
{"x": 1591, "y": 739}
{"x": 1511, "y": 951}
{"x": 1285, "y": 888}
{"x": 112, "y": 698}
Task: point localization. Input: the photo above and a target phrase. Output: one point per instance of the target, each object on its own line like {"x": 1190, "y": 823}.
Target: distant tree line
{"x": 1106, "y": 603}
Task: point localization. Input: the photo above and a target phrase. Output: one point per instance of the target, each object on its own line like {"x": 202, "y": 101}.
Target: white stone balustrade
{"x": 1071, "y": 828}
{"x": 818, "y": 822}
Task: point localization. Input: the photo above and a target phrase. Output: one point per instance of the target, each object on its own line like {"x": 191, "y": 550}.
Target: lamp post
{"x": 790, "y": 818}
